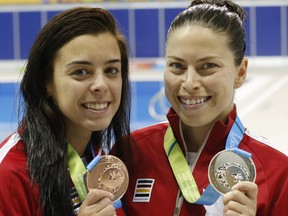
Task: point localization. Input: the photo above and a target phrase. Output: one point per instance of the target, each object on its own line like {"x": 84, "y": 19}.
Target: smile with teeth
{"x": 193, "y": 101}
{"x": 96, "y": 106}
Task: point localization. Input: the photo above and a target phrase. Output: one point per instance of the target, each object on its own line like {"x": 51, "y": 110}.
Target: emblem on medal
{"x": 227, "y": 168}
{"x": 109, "y": 174}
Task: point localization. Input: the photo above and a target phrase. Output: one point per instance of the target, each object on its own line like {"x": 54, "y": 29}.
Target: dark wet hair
{"x": 222, "y": 16}
{"x": 42, "y": 127}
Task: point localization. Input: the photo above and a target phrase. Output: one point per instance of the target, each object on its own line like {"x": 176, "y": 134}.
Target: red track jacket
{"x": 18, "y": 197}
{"x": 151, "y": 167}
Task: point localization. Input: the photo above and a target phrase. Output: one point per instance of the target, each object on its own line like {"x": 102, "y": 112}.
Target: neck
{"x": 79, "y": 143}
{"x": 195, "y": 136}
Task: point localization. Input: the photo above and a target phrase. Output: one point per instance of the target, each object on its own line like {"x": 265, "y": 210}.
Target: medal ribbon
{"x": 183, "y": 173}
{"x": 77, "y": 171}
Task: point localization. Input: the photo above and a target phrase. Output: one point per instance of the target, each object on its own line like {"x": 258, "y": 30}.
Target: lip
{"x": 96, "y": 106}
{"x": 193, "y": 101}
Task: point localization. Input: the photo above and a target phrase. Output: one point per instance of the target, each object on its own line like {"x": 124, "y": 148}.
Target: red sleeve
{"x": 271, "y": 178}
{"x": 120, "y": 212}
{"x": 279, "y": 187}
{"x": 17, "y": 194}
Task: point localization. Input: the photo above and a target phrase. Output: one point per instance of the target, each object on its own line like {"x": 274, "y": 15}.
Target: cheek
{"x": 167, "y": 86}
{"x": 169, "y": 93}
{"x": 66, "y": 94}
{"x": 225, "y": 92}
{"x": 65, "y": 100}
{"x": 169, "y": 80}
{"x": 220, "y": 83}
{"x": 172, "y": 85}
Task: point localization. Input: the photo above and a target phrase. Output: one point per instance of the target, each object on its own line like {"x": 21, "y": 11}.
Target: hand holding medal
{"x": 107, "y": 173}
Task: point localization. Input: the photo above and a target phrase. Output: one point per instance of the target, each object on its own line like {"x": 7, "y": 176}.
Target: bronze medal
{"x": 228, "y": 168}
{"x": 110, "y": 174}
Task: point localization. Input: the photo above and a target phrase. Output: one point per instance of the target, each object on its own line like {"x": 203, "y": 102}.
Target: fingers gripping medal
{"x": 229, "y": 167}
{"x": 108, "y": 173}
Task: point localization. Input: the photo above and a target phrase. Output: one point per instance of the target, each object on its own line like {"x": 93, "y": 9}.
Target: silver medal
{"x": 228, "y": 168}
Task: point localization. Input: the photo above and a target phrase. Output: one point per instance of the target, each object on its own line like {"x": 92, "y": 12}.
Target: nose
{"x": 98, "y": 82}
{"x": 191, "y": 80}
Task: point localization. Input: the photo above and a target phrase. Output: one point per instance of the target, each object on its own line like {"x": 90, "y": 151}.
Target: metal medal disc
{"x": 228, "y": 168}
{"x": 110, "y": 174}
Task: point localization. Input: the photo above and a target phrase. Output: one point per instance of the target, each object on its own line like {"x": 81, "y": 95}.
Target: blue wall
{"x": 143, "y": 29}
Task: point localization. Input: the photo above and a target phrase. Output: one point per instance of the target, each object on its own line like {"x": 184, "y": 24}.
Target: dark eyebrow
{"x": 200, "y": 60}
{"x": 210, "y": 57}
{"x": 176, "y": 58}
{"x": 79, "y": 62}
{"x": 113, "y": 61}
{"x": 90, "y": 63}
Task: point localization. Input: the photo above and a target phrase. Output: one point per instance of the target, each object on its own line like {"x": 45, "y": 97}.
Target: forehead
{"x": 194, "y": 30}
{"x": 102, "y": 45}
{"x": 192, "y": 35}
{"x": 105, "y": 39}
{"x": 192, "y": 42}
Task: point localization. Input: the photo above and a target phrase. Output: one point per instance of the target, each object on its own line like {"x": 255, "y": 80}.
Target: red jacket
{"x": 17, "y": 194}
{"x": 150, "y": 165}
{"x": 18, "y": 197}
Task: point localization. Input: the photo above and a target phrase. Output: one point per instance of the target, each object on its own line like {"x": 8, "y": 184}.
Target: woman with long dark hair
{"x": 76, "y": 101}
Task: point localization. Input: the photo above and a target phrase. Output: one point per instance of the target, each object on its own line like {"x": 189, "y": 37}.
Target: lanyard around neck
{"x": 77, "y": 171}
{"x": 182, "y": 172}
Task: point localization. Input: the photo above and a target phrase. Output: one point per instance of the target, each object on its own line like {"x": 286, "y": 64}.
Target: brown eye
{"x": 176, "y": 66}
{"x": 112, "y": 70}
{"x": 80, "y": 72}
{"x": 209, "y": 65}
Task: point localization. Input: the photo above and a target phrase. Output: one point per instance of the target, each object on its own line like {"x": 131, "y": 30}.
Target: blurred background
{"x": 262, "y": 101}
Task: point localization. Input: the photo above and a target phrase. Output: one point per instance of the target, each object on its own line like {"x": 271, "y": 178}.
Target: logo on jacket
{"x": 143, "y": 190}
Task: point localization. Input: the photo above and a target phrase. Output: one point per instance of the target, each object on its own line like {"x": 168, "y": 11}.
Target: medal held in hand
{"x": 108, "y": 173}
{"x": 227, "y": 168}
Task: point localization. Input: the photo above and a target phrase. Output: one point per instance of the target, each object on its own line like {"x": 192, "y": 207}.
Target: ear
{"x": 241, "y": 74}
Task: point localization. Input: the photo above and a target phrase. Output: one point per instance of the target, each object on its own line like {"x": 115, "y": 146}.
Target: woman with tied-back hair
{"x": 205, "y": 64}
{"x": 76, "y": 98}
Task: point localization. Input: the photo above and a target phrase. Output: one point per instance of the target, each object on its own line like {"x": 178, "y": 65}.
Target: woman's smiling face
{"x": 201, "y": 75}
{"x": 87, "y": 82}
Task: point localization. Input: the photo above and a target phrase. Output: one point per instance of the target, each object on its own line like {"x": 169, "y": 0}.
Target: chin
{"x": 101, "y": 126}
